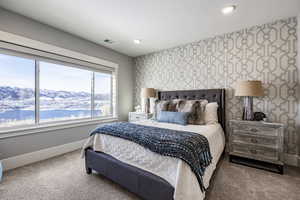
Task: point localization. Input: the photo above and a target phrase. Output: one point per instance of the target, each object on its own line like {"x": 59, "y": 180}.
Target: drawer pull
{"x": 253, "y": 151}
{"x": 253, "y": 140}
{"x": 253, "y": 130}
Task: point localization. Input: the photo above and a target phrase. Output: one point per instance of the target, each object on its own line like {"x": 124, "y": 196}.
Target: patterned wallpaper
{"x": 267, "y": 53}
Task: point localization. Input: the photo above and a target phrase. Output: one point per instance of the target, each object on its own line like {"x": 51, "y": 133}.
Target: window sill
{"x": 53, "y": 126}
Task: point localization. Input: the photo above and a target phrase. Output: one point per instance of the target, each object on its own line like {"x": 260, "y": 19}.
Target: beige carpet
{"x": 64, "y": 178}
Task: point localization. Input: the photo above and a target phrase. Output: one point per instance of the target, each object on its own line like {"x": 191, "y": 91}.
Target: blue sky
{"x": 19, "y": 72}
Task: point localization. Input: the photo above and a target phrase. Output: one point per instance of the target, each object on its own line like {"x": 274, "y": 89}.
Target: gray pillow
{"x": 160, "y": 106}
{"x": 172, "y": 106}
{"x": 191, "y": 107}
{"x": 196, "y": 108}
{"x": 201, "y": 112}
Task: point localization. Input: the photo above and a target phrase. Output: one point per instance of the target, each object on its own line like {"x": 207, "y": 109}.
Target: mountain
{"x": 16, "y": 93}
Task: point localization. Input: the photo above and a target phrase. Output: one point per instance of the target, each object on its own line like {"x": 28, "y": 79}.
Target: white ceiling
{"x": 160, "y": 24}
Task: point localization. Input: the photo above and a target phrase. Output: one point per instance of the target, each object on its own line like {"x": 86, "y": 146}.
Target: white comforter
{"x": 173, "y": 170}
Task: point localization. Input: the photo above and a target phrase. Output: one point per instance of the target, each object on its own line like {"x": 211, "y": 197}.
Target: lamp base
{"x": 248, "y": 109}
{"x": 145, "y": 105}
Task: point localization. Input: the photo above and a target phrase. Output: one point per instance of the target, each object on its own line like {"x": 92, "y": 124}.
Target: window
{"x": 65, "y": 92}
{"x": 103, "y": 96}
{"x": 35, "y": 90}
{"x": 17, "y": 91}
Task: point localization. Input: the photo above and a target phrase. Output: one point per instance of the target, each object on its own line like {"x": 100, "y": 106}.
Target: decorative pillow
{"x": 173, "y": 117}
{"x": 173, "y": 105}
{"x": 211, "y": 113}
{"x": 189, "y": 106}
{"x": 201, "y": 112}
{"x": 160, "y": 106}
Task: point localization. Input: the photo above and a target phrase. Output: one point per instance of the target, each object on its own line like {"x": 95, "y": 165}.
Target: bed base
{"x": 144, "y": 184}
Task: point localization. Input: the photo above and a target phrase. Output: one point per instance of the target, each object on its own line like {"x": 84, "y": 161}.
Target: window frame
{"x": 23, "y": 52}
{"x": 112, "y": 107}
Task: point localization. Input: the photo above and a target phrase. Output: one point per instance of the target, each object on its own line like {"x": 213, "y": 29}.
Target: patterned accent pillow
{"x": 173, "y": 105}
{"x": 191, "y": 107}
{"x": 160, "y": 106}
{"x": 201, "y": 112}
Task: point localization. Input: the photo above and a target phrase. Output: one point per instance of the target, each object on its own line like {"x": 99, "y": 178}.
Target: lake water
{"x": 44, "y": 114}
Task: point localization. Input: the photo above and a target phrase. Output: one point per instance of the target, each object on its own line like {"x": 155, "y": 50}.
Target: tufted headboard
{"x": 212, "y": 95}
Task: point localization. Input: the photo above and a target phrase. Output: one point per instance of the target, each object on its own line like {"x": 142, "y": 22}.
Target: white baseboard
{"x": 28, "y": 158}
{"x": 292, "y": 159}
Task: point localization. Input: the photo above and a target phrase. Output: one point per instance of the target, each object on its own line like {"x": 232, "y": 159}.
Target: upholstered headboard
{"x": 212, "y": 95}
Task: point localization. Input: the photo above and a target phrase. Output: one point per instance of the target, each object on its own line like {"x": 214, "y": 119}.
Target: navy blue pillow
{"x": 173, "y": 117}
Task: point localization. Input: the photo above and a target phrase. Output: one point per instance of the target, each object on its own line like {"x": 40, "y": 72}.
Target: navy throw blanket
{"x": 192, "y": 148}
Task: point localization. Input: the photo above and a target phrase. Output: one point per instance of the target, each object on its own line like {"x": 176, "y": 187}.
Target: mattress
{"x": 173, "y": 170}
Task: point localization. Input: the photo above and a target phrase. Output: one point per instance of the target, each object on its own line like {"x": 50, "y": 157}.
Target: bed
{"x": 148, "y": 174}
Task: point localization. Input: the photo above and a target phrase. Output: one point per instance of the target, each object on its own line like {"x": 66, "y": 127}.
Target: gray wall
{"x": 267, "y": 52}
{"x": 20, "y": 25}
{"x": 29, "y": 143}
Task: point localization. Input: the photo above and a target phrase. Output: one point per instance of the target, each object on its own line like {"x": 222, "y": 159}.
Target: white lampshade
{"x": 148, "y": 92}
{"x": 249, "y": 89}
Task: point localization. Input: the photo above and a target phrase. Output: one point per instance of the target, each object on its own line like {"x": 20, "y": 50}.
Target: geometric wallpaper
{"x": 267, "y": 52}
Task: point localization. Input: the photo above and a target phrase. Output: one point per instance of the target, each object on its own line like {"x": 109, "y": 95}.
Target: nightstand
{"x": 257, "y": 144}
{"x": 137, "y": 116}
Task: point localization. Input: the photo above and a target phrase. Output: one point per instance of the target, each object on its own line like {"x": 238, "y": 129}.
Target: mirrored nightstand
{"x": 257, "y": 144}
{"x": 137, "y": 116}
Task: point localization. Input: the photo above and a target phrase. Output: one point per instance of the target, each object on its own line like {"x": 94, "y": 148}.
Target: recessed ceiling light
{"x": 137, "y": 41}
{"x": 228, "y": 9}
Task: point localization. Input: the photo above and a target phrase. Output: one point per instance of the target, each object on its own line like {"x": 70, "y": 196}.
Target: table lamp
{"x": 248, "y": 90}
{"x": 147, "y": 93}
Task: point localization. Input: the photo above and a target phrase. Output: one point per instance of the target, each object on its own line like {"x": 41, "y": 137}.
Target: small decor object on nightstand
{"x": 259, "y": 116}
{"x": 138, "y": 108}
{"x": 257, "y": 144}
{"x": 137, "y": 116}
{"x": 248, "y": 90}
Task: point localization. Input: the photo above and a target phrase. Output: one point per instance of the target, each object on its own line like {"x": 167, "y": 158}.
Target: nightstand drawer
{"x": 134, "y": 116}
{"x": 255, "y": 139}
{"x": 255, "y": 130}
{"x": 255, "y": 152}
{"x": 137, "y": 117}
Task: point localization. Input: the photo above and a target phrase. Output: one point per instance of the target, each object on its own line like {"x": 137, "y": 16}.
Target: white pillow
{"x": 211, "y": 113}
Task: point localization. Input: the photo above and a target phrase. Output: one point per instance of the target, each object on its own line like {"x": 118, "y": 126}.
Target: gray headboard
{"x": 212, "y": 95}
